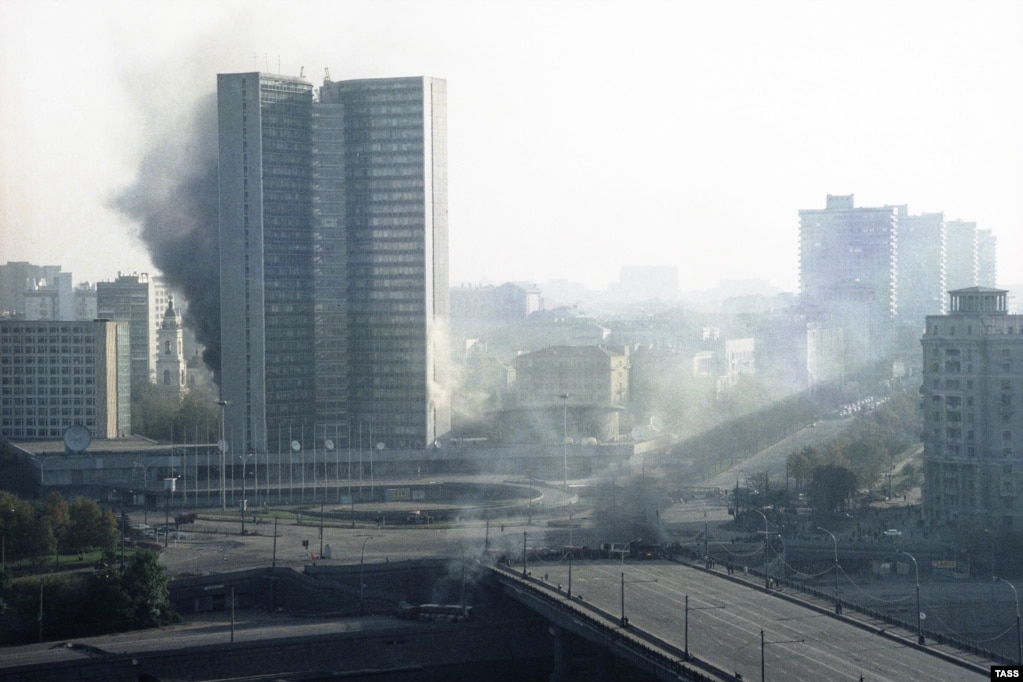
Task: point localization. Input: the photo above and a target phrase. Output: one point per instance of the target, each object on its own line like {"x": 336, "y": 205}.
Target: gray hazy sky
{"x": 584, "y": 136}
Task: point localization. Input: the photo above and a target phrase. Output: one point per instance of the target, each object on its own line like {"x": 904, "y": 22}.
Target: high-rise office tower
{"x": 973, "y": 418}
{"x": 334, "y": 265}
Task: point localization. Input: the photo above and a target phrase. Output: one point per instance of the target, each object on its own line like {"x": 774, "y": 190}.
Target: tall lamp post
{"x": 222, "y": 446}
{"x": 838, "y": 607}
{"x": 695, "y": 608}
{"x": 564, "y": 439}
{"x": 242, "y": 505}
{"x": 145, "y": 486}
{"x": 625, "y": 621}
{"x": 919, "y": 626}
{"x": 767, "y": 565}
{"x": 1019, "y": 637}
{"x": 362, "y": 562}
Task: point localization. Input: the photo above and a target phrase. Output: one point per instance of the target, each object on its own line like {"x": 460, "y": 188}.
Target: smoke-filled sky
{"x": 584, "y": 135}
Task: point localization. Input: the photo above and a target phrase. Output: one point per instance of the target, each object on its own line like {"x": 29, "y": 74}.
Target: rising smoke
{"x": 174, "y": 199}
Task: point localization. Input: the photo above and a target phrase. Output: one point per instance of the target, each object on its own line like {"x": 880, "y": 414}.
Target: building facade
{"x": 507, "y": 303}
{"x": 334, "y": 270}
{"x": 877, "y": 272}
{"x": 56, "y": 374}
{"x": 973, "y": 412}
{"x": 132, "y": 299}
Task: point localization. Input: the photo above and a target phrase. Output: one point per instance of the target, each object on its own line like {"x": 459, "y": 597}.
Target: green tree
{"x": 91, "y": 527}
{"x": 146, "y": 583}
{"x": 831, "y": 486}
{"x": 58, "y": 513}
{"x": 801, "y": 463}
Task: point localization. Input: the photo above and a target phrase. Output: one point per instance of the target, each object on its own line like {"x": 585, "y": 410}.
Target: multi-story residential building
{"x": 921, "y": 268}
{"x": 132, "y": 299}
{"x": 961, "y": 266}
{"x": 50, "y": 299}
{"x": 85, "y": 302}
{"x": 877, "y": 272}
{"x": 576, "y": 392}
{"x": 847, "y": 272}
{"x": 848, "y": 256}
{"x": 15, "y": 279}
{"x": 334, "y": 266}
{"x": 506, "y": 303}
{"x": 973, "y": 412}
{"x": 987, "y": 259}
{"x": 58, "y": 374}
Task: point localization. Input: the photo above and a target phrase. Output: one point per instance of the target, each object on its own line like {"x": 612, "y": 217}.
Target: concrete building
{"x": 961, "y": 266}
{"x": 973, "y": 412}
{"x": 566, "y": 392}
{"x": 57, "y": 374}
{"x": 334, "y": 265}
{"x": 132, "y": 298}
{"x": 921, "y": 268}
{"x": 987, "y": 259}
{"x": 848, "y": 254}
{"x": 15, "y": 279}
{"x": 507, "y": 303}
{"x": 876, "y": 273}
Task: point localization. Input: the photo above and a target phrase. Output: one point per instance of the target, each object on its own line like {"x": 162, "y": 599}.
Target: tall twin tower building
{"x": 333, "y": 262}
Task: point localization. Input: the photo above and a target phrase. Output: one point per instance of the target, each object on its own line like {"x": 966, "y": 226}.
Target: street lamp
{"x": 564, "y": 440}
{"x": 222, "y": 446}
{"x": 625, "y": 621}
{"x": 242, "y": 505}
{"x": 919, "y": 626}
{"x": 838, "y": 606}
{"x": 362, "y": 561}
{"x": 767, "y": 565}
{"x": 697, "y": 608}
{"x": 145, "y": 487}
{"x": 1019, "y": 637}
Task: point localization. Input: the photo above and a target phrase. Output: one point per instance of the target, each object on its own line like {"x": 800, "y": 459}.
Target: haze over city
{"x": 583, "y": 136}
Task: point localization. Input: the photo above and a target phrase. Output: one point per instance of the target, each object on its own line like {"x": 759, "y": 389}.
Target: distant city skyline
{"x": 584, "y": 136}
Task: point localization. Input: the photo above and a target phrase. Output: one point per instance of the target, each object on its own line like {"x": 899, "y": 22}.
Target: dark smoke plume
{"x": 174, "y": 200}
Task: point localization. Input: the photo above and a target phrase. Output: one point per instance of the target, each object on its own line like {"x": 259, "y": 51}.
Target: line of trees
{"x": 38, "y": 530}
{"x": 74, "y": 604}
{"x": 857, "y": 459}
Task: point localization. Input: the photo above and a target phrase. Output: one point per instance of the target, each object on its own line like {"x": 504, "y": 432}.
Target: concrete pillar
{"x": 562, "y": 655}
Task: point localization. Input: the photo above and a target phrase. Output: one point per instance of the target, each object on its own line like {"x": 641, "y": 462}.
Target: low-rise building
{"x": 59, "y": 374}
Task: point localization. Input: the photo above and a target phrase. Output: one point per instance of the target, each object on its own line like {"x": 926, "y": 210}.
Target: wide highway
{"x": 726, "y": 619}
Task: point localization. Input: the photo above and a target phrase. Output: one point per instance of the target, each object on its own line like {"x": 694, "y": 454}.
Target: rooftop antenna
{"x": 301, "y": 72}
{"x": 326, "y": 74}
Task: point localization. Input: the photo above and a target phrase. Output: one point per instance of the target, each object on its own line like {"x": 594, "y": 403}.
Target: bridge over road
{"x": 653, "y": 612}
